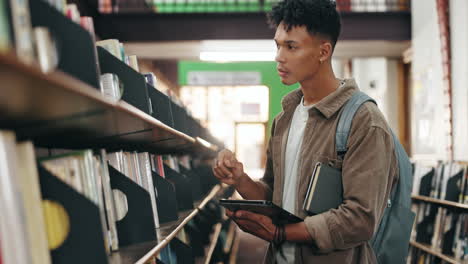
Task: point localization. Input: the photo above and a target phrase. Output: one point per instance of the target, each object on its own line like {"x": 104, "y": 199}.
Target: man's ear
{"x": 326, "y": 50}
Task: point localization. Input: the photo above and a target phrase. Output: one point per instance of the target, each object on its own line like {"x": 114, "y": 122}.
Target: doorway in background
{"x": 236, "y": 115}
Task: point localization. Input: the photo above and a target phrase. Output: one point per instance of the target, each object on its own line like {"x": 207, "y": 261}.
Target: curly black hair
{"x": 319, "y": 16}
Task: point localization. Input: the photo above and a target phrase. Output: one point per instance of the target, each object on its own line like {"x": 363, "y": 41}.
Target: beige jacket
{"x": 369, "y": 172}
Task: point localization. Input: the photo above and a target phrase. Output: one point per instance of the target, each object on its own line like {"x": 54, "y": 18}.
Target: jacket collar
{"x": 329, "y": 105}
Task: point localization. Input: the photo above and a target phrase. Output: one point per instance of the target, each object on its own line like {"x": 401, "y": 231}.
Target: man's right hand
{"x": 227, "y": 169}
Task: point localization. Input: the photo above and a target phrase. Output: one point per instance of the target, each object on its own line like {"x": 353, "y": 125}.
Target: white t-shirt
{"x": 291, "y": 165}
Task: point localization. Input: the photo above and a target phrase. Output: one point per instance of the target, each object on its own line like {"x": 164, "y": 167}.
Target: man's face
{"x": 297, "y": 55}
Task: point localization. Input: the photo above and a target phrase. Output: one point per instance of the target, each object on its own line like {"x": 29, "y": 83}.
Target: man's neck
{"x": 323, "y": 84}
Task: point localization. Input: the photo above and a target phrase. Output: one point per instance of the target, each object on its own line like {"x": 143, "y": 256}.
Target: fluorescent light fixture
{"x": 230, "y": 56}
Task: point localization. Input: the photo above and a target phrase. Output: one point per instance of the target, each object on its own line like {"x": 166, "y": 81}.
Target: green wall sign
{"x": 267, "y": 72}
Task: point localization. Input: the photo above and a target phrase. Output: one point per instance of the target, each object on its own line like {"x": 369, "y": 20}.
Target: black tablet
{"x": 277, "y": 214}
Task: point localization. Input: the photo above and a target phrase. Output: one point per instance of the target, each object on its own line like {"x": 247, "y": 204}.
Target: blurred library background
{"x": 113, "y": 111}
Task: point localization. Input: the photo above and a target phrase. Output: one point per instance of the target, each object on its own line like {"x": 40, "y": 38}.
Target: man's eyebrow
{"x": 286, "y": 41}
{"x": 291, "y": 42}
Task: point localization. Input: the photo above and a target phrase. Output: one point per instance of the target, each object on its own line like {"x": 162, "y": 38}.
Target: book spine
{"x": 73, "y": 14}
{"x": 5, "y": 34}
{"x": 22, "y": 30}
{"x": 14, "y": 245}
{"x": 110, "y": 86}
{"x": 102, "y": 209}
{"x": 109, "y": 202}
{"x": 46, "y": 51}
{"x": 160, "y": 163}
{"x": 133, "y": 62}
{"x": 145, "y": 167}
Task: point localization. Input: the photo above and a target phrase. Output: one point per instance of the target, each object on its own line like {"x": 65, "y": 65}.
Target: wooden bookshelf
{"x": 131, "y": 254}
{"x": 234, "y": 250}
{"x": 436, "y": 252}
{"x": 143, "y": 252}
{"x": 58, "y": 111}
{"x": 444, "y": 203}
{"x": 206, "y": 259}
{"x": 230, "y": 237}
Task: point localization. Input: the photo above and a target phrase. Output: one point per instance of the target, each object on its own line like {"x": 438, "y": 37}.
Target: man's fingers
{"x": 227, "y": 163}
{"x": 246, "y": 225}
{"x": 223, "y": 154}
{"x": 215, "y": 172}
{"x": 225, "y": 157}
{"x": 247, "y": 215}
{"x": 225, "y": 171}
{"x": 243, "y": 224}
{"x": 220, "y": 175}
{"x": 229, "y": 213}
{"x": 238, "y": 165}
{"x": 230, "y": 161}
{"x": 240, "y": 225}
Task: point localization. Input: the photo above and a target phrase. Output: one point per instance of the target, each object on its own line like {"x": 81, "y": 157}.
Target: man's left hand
{"x": 255, "y": 224}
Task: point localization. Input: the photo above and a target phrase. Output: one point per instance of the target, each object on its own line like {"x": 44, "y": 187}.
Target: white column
{"x": 428, "y": 127}
{"x": 459, "y": 46}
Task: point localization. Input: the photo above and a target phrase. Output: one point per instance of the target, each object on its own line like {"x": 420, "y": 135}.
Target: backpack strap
{"x": 402, "y": 193}
{"x": 341, "y": 140}
{"x": 345, "y": 120}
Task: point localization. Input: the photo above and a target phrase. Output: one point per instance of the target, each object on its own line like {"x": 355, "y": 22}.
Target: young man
{"x": 304, "y": 134}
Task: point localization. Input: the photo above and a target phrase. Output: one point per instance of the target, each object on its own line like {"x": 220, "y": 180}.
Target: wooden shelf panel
{"x": 59, "y": 111}
{"x": 170, "y": 230}
{"x": 437, "y": 253}
{"x": 166, "y": 229}
{"x": 211, "y": 247}
{"x": 231, "y": 235}
{"x": 234, "y": 250}
{"x": 141, "y": 253}
{"x": 131, "y": 254}
{"x": 440, "y": 202}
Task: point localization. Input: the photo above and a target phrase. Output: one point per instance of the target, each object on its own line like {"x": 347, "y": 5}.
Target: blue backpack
{"x": 391, "y": 241}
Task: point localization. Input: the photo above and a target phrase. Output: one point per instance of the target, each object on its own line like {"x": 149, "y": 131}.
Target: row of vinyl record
{"x": 32, "y": 225}
{"x": 34, "y": 45}
{"x": 55, "y": 42}
{"x": 37, "y": 45}
{"x": 445, "y": 181}
{"x": 442, "y": 229}
{"x": 111, "y": 86}
{"x": 191, "y": 242}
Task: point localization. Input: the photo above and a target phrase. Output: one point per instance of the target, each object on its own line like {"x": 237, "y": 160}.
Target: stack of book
{"x": 22, "y": 229}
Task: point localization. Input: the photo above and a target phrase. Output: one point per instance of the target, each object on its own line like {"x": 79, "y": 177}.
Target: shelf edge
{"x": 439, "y": 201}
{"x": 166, "y": 240}
{"x": 432, "y": 251}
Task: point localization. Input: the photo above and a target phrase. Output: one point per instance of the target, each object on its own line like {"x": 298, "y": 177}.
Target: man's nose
{"x": 279, "y": 56}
